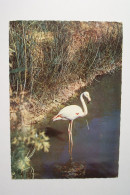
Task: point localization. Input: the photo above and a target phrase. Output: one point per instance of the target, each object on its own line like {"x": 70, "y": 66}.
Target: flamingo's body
{"x": 71, "y": 113}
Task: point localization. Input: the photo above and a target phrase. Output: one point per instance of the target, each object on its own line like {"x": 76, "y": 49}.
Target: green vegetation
{"x": 22, "y": 144}
{"x": 47, "y": 59}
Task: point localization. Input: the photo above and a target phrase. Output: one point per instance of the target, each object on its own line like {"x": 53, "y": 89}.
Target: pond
{"x": 96, "y": 150}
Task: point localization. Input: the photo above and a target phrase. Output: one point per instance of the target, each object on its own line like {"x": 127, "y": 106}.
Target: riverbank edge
{"x": 54, "y": 105}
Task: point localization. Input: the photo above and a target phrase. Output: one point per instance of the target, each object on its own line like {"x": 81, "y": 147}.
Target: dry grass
{"x": 49, "y": 60}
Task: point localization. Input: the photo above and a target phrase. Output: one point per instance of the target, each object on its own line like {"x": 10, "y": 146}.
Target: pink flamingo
{"x": 71, "y": 113}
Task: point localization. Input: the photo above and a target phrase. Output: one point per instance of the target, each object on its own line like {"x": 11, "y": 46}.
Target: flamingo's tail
{"x": 57, "y": 117}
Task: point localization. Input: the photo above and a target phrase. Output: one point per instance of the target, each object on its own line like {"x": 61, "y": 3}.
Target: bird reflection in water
{"x": 70, "y": 169}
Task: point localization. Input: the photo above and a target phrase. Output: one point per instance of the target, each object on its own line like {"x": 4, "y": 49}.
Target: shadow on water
{"x": 96, "y": 151}
{"x": 52, "y": 132}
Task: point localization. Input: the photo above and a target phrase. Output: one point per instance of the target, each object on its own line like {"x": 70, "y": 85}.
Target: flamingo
{"x": 71, "y": 113}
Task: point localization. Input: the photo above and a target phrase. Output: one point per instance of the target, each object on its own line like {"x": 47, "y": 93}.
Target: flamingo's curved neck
{"x": 85, "y": 110}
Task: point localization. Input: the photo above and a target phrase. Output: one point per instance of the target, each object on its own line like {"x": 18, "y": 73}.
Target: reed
{"x": 46, "y": 56}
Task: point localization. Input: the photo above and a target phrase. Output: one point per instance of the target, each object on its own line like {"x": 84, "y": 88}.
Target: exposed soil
{"x": 30, "y": 111}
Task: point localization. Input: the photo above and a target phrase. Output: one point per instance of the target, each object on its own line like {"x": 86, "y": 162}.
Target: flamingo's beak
{"x": 89, "y": 100}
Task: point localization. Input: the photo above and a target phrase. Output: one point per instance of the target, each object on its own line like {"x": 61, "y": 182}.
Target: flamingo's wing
{"x": 71, "y": 112}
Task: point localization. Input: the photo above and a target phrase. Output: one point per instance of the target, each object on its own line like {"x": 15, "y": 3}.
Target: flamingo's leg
{"x": 69, "y": 133}
{"x": 71, "y": 123}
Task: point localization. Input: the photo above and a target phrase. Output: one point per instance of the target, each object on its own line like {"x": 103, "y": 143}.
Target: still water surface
{"x": 95, "y": 151}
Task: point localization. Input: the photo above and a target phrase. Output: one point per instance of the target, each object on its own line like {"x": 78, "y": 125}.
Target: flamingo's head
{"x": 86, "y": 94}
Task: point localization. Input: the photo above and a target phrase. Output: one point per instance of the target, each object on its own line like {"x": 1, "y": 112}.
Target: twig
{"x": 87, "y": 124}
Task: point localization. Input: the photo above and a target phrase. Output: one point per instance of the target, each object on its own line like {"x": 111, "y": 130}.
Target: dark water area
{"x": 96, "y": 151}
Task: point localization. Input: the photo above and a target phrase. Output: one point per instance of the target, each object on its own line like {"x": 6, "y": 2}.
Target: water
{"x": 95, "y": 151}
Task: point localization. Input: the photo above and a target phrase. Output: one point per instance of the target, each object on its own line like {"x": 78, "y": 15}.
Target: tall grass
{"x": 44, "y": 56}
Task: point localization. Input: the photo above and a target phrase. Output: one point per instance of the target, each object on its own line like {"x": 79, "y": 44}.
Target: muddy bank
{"x": 25, "y": 113}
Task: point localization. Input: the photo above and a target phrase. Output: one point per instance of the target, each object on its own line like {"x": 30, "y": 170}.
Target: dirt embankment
{"x": 23, "y": 114}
